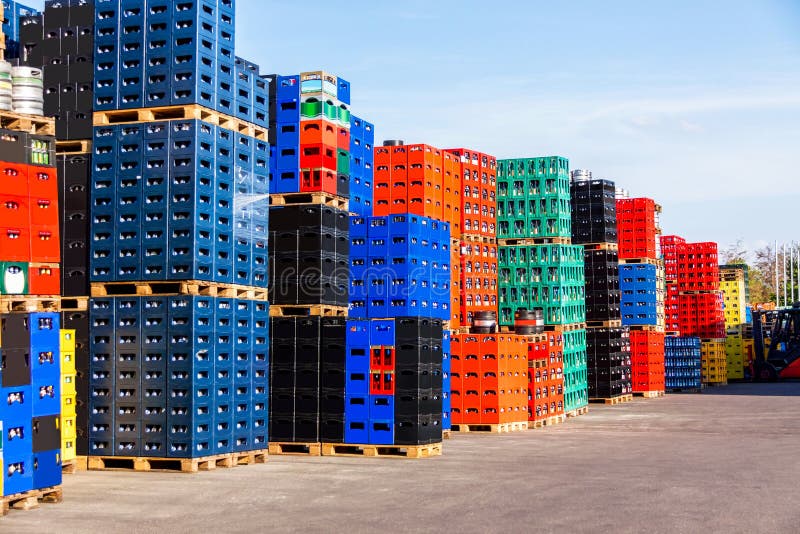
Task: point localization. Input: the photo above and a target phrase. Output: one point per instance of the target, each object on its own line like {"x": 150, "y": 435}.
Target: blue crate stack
{"x": 400, "y": 266}
{"x": 30, "y": 401}
{"x": 637, "y": 284}
{"x": 393, "y": 381}
{"x": 362, "y": 140}
{"x": 12, "y": 11}
{"x": 397, "y": 353}
{"x": 179, "y": 202}
{"x": 682, "y": 363}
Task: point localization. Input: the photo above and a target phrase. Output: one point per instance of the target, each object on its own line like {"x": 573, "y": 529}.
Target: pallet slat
{"x": 613, "y": 401}
{"x": 491, "y": 428}
{"x": 188, "y": 287}
{"x": 30, "y": 500}
{"x": 295, "y": 449}
{"x": 183, "y": 465}
{"x": 382, "y": 451}
{"x": 30, "y": 303}
{"x": 316, "y": 310}
{"x": 290, "y": 199}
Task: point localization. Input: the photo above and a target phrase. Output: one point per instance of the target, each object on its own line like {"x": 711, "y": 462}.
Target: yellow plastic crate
{"x": 68, "y": 362}
{"x": 67, "y": 342}
{"x": 69, "y": 428}
{"x": 67, "y": 449}
{"x": 69, "y": 405}
{"x": 68, "y": 384}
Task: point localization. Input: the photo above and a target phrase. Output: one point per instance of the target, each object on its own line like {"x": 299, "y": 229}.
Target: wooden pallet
{"x": 250, "y": 457}
{"x": 74, "y": 303}
{"x": 29, "y": 500}
{"x": 188, "y": 287}
{"x": 382, "y": 451}
{"x": 646, "y": 327}
{"x": 564, "y": 327}
{"x": 640, "y": 261}
{"x": 32, "y": 124}
{"x": 616, "y": 323}
{"x": 649, "y": 394}
{"x": 30, "y": 303}
{"x": 73, "y": 148}
{"x": 315, "y": 310}
{"x": 535, "y": 241}
{"x": 291, "y": 199}
{"x": 447, "y": 434}
{"x": 578, "y": 412}
{"x": 601, "y": 246}
{"x": 460, "y": 330}
{"x": 183, "y": 465}
{"x": 70, "y": 467}
{"x": 613, "y": 401}
{"x": 672, "y": 333}
{"x": 295, "y": 449}
{"x": 715, "y": 384}
{"x": 472, "y": 238}
{"x": 184, "y": 112}
{"x": 492, "y": 429}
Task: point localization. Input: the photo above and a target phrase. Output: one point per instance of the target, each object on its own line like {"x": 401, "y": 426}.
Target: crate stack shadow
{"x": 642, "y": 287}
{"x": 178, "y": 319}
{"x": 594, "y": 225}
{"x": 539, "y": 267}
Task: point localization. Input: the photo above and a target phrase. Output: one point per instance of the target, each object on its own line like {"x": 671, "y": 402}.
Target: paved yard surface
{"x": 724, "y": 461}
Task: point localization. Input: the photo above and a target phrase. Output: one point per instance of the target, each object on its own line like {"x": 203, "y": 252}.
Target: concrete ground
{"x": 723, "y": 461}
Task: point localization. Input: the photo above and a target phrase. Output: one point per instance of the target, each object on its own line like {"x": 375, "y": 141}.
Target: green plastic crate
{"x": 576, "y": 391}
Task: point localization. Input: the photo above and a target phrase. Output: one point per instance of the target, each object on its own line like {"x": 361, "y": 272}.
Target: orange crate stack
{"x": 478, "y": 192}
{"x": 545, "y": 377}
{"x": 489, "y": 379}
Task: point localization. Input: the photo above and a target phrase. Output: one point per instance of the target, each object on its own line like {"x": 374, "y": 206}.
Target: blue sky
{"x": 695, "y": 103}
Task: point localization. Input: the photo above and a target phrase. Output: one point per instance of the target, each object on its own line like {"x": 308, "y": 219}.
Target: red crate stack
{"x": 489, "y": 380}
{"x": 670, "y": 247}
{"x": 478, "y": 279}
{"x": 698, "y": 267}
{"x": 647, "y": 361}
{"x": 636, "y": 228}
{"x": 30, "y": 249}
{"x": 545, "y": 379}
{"x": 701, "y": 315}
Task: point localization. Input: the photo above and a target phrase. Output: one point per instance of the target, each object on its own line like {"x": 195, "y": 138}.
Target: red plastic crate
{"x": 44, "y": 279}
{"x": 15, "y": 243}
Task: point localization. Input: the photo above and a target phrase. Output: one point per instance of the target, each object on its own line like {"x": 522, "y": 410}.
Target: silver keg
{"x": 27, "y": 90}
{"x": 6, "y": 101}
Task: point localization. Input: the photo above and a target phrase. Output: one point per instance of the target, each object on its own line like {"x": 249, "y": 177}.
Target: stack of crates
{"x": 714, "y": 362}
{"x": 739, "y": 342}
{"x": 538, "y": 265}
{"x": 545, "y": 379}
{"x": 12, "y": 15}
{"x": 309, "y": 255}
{"x": 60, "y": 41}
{"x": 594, "y": 225}
{"x": 393, "y": 390}
{"x": 311, "y": 122}
{"x": 179, "y": 209}
{"x": 69, "y": 396}
{"x": 670, "y": 244}
{"x": 643, "y": 291}
{"x": 30, "y": 410}
{"x": 682, "y": 363}
{"x": 475, "y": 200}
{"x": 362, "y": 140}
{"x": 489, "y": 380}
{"x": 400, "y": 266}
{"x": 307, "y": 380}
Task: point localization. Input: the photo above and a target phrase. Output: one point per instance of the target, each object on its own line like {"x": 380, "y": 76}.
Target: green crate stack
{"x": 576, "y": 394}
{"x": 533, "y": 198}
{"x": 550, "y": 277}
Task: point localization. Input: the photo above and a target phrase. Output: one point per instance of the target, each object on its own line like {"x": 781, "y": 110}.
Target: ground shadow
{"x": 789, "y": 388}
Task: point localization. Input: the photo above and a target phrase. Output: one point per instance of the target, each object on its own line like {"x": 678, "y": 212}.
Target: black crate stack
{"x": 60, "y": 40}
{"x": 309, "y": 268}
{"x": 594, "y": 225}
